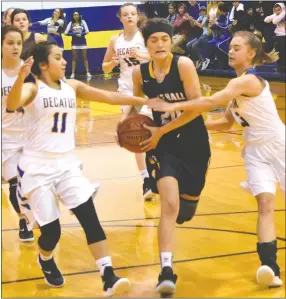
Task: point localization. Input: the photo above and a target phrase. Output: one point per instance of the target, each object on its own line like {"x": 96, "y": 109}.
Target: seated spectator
{"x": 277, "y": 42}
{"x": 236, "y": 14}
{"x": 213, "y": 13}
{"x": 172, "y": 13}
{"x": 195, "y": 46}
{"x": 181, "y": 27}
{"x": 247, "y": 21}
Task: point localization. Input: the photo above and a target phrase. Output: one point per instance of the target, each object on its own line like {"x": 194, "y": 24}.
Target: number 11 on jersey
{"x": 56, "y": 120}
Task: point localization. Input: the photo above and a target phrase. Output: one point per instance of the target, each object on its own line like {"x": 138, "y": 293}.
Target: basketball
{"x": 131, "y": 132}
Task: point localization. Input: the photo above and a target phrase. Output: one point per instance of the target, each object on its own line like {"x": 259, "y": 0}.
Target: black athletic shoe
{"x": 147, "y": 189}
{"x": 24, "y": 234}
{"x": 53, "y": 276}
{"x": 166, "y": 281}
{"x": 113, "y": 284}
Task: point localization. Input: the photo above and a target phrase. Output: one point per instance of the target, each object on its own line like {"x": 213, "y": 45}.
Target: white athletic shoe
{"x": 266, "y": 276}
{"x": 72, "y": 76}
{"x": 88, "y": 75}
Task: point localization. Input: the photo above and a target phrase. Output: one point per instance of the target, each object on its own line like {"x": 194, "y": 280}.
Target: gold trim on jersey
{"x": 151, "y": 70}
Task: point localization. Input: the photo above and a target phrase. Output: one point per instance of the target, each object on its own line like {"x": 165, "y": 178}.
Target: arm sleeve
{"x": 86, "y": 30}
{"x": 44, "y": 22}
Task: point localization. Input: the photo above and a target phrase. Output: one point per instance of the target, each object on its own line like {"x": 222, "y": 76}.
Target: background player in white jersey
{"x": 128, "y": 50}
{"x": 13, "y": 122}
{"x": 48, "y": 167}
{"x": 251, "y": 104}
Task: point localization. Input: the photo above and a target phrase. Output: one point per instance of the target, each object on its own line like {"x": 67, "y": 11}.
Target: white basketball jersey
{"x": 122, "y": 49}
{"x": 258, "y": 116}
{"x": 53, "y": 115}
{"x": 13, "y": 123}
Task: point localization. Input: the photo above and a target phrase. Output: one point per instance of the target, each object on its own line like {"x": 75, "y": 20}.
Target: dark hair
{"x": 223, "y": 7}
{"x": 9, "y": 28}
{"x": 141, "y": 17}
{"x": 6, "y": 13}
{"x": 62, "y": 17}
{"x": 79, "y": 19}
{"x": 255, "y": 43}
{"x": 184, "y": 6}
{"x": 277, "y": 5}
{"x": 156, "y": 25}
{"x": 172, "y": 5}
{"x": 18, "y": 11}
{"x": 40, "y": 53}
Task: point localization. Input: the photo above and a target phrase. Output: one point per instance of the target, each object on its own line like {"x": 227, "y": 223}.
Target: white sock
{"x": 144, "y": 174}
{"x": 166, "y": 259}
{"x": 46, "y": 258}
{"x": 102, "y": 263}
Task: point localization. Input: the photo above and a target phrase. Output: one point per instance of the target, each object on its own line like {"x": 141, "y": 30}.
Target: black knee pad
{"x": 13, "y": 183}
{"x": 50, "y": 236}
{"x": 87, "y": 217}
{"x": 187, "y": 210}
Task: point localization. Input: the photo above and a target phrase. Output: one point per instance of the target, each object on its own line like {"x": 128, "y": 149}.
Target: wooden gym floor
{"x": 216, "y": 251}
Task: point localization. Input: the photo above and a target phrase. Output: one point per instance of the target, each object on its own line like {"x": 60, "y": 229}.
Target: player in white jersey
{"x": 48, "y": 168}
{"x": 251, "y": 104}
{"x": 14, "y": 124}
{"x": 127, "y": 50}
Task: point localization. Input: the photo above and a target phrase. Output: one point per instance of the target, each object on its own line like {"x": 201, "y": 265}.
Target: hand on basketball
{"x": 25, "y": 69}
{"x": 161, "y": 105}
{"x": 152, "y": 142}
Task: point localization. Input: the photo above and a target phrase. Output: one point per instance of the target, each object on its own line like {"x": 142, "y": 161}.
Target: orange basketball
{"x": 131, "y": 132}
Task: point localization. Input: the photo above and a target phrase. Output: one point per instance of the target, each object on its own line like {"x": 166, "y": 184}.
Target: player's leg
{"x": 44, "y": 205}
{"x": 76, "y": 193}
{"x": 85, "y": 61}
{"x": 74, "y": 58}
{"x": 169, "y": 194}
{"x": 9, "y": 172}
{"x": 262, "y": 181}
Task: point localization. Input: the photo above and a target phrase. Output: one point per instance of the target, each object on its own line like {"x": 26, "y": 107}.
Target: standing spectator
{"x": 194, "y": 9}
{"x": 172, "y": 13}
{"x": 55, "y": 27}
{"x": 278, "y": 41}
{"x": 236, "y": 14}
{"x": 7, "y": 16}
{"x": 77, "y": 29}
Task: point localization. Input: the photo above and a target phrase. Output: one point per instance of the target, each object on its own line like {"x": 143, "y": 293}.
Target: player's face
{"x": 159, "y": 45}
{"x": 239, "y": 53}
{"x": 129, "y": 16}
{"x": 7, "y": 19}
{"x": 21, "y": 21}
{"x": 57, "y": 65}
{"x": 12, "y": 45}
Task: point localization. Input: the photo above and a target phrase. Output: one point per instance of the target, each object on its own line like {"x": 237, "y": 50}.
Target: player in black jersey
{"x": 178, "y": 151}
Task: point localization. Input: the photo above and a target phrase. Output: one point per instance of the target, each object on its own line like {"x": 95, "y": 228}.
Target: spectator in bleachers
{"x": 172, "y": 13}
{"x": 194, "y": 9}
{"x": 7, "y": 16}
{"x": 277, "y": 42}
{"x": 78, "y": 29}
{"x": 236, "y": 14}
{"x": 56, "y": 25}
{"x": 181, "y": 27}
{"x": 213, "y": 13}
{"x": 195, "y": 46}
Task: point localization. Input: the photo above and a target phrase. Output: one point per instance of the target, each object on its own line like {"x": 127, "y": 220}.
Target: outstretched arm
{"x": 248, "y": 85}
{"x": 89, "y": 93}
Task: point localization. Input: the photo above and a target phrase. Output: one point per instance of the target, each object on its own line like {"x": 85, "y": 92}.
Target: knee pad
{"x": 187, "y": 210}
{"x": 13, "y": 183}
{"x": 50, "y": 236}
{"x": 87, "y": 217}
